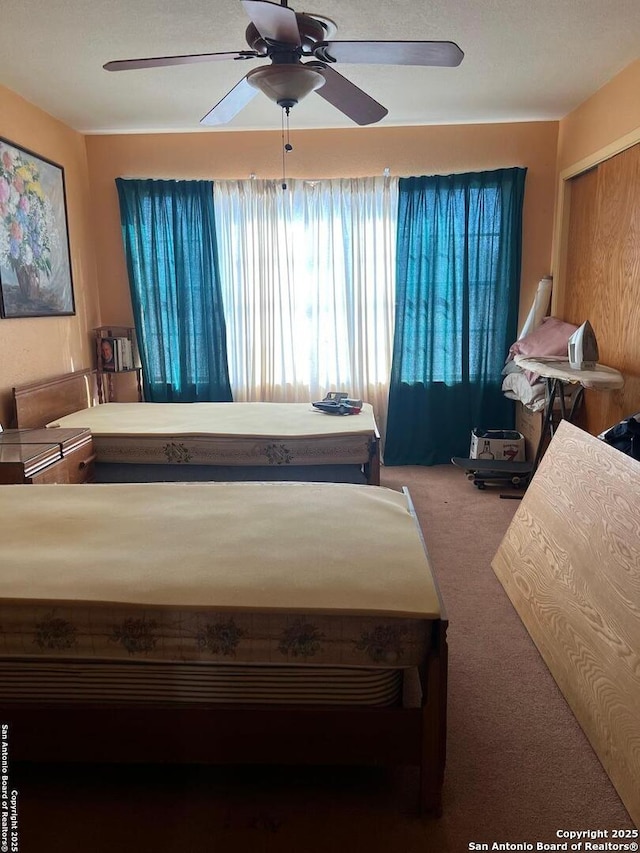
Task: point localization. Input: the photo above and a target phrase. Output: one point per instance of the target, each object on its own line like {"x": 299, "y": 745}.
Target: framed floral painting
{"x": 35, "y": 263}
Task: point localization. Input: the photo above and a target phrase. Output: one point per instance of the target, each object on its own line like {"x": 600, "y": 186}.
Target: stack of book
{"x": 116, "y": 354}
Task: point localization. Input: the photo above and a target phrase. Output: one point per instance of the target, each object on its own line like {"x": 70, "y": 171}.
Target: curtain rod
{"x": 386, "y": 173}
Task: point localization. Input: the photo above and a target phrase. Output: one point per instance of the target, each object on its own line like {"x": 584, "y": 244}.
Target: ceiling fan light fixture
{"x": 285, "y": 84}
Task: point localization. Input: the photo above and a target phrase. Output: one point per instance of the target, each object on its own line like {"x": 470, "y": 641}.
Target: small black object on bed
{"x": 339, "y": 403}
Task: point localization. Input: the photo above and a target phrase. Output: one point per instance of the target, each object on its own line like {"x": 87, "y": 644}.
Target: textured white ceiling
{"x": 524, "y": 59}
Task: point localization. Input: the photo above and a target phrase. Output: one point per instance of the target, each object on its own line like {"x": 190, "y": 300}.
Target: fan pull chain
{"x": 286, "y": 146}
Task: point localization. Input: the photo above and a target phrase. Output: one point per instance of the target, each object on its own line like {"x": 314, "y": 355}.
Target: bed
{"x": 209, "y": 622}
{"x": 178, "y": 441}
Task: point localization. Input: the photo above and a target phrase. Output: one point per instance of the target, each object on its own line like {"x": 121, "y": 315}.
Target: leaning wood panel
{"x": 570, "y": 563}
{"x": 603, "y": 277}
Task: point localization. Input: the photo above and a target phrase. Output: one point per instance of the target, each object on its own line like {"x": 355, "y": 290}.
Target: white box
{"x": 506, "y": 445}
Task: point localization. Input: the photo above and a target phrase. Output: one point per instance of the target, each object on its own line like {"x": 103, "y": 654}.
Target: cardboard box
{"x": 530, "y": 425}
{"x": 500, "y": 444}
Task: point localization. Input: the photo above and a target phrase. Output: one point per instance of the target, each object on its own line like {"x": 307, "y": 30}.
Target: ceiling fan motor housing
{"x": 312, "y": 32}
{"x": 287, "y": 80}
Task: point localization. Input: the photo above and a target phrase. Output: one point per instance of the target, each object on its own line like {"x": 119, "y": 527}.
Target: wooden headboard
{"x": 42, "y": 402}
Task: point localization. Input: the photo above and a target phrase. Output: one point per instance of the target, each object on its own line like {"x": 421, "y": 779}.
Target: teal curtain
{"x": 168, "y": 230}
{"x": 457, "y": 287}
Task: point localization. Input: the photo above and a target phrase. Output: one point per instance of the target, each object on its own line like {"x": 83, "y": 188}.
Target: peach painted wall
{"x": 355, "y": 152}
{"x": 609, "y": 114}
{"x": 37, "y": 348}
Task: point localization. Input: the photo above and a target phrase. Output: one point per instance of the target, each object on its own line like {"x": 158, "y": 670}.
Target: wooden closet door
{"x": 602, "y": 282}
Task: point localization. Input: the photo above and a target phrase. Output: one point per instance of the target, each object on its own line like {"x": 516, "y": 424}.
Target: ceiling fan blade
{"x": 159, "y": 61}
{"x": 445, "y": 53}
{"x": 347, "y": 97}
{"x": 273, "y": 22}
{"x": 226, "y": 109}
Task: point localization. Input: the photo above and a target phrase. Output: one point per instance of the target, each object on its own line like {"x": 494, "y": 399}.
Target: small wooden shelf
{"x": 116, "y": 353}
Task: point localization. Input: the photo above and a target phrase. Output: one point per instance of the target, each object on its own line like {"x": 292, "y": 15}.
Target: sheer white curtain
{"x": 308, "y": 287}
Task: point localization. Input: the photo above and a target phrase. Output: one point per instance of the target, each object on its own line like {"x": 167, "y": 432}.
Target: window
{"x": 308, "y": 286}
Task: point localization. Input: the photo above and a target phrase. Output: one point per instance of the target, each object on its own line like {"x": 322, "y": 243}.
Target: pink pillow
{"x": 551, "y": 338}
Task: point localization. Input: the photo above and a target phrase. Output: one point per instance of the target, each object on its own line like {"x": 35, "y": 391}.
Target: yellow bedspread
{"x": 239, "y": 420}
{"x": 178, "y": 571}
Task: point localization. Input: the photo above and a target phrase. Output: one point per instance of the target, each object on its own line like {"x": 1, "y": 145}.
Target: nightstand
{"x": 52, "y": 455}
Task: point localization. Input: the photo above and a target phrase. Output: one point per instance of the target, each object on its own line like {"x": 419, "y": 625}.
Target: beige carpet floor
{"x": 519, "y": 768}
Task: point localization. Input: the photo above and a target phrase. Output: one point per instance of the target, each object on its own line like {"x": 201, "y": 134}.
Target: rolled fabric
{"x": 539, "y": 308}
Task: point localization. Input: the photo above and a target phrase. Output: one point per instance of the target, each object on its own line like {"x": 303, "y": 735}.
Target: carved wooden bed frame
{"x": 247, "y": 734}
{"x": 40, "y": 403}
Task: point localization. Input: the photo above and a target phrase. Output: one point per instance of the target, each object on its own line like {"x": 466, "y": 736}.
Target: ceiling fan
{"x": 286, "y": 37}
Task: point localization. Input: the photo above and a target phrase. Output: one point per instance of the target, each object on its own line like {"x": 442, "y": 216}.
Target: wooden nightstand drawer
{"x": 46, "y": 456}
{"x": 76, "y": 467}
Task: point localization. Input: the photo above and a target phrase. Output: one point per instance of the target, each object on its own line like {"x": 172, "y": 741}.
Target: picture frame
{"x": 35, "y": 258}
